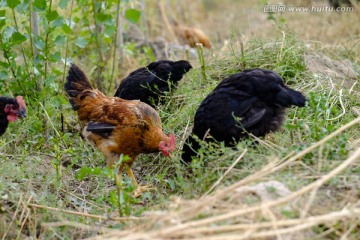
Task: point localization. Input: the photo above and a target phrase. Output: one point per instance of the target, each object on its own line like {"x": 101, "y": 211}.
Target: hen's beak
{"x": 22, "y": 113}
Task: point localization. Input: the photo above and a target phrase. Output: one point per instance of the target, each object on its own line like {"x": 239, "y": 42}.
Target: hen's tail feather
{"x": 76, "y": 80}
{"x": 76, "y": 83}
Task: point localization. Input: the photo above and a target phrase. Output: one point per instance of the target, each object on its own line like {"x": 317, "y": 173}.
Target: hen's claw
{"x": 141, "y": 189}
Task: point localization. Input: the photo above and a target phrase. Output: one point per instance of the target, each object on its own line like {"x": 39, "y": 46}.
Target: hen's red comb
{"x": 20, "y": 101}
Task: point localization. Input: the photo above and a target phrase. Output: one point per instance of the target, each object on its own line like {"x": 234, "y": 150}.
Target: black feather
{"x": 72, "y": 93}
{"x": 253, "y": 101}
{"x": 102, "y": 129}
{"x": 147, "y": 84}
{"x": 76, "y": 82}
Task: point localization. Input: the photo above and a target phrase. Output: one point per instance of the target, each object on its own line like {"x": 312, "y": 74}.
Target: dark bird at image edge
{"x": 10, "y": 110}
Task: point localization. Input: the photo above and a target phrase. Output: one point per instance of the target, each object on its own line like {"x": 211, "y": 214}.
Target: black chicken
{"x": 253, "y": 101}
{"x": 149, "y": 83}
{"x": 339, "y": 3}
{"x": 10, "y": 110}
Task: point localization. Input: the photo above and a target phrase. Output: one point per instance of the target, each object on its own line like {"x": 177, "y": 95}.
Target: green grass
{"x": 41, "y": 164}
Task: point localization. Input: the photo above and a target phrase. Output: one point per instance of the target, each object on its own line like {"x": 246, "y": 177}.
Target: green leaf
{"x": 39, "y": 43}
{"x": 2, "y": 22}
{"x": 17, "y": 38}
{"x": 66, "y": 28}
{"x": 3, "y": 75}
{"x": 8, "y": 31}
{"x": 2, "y": 13}
{"x": 63, "y": 3}
{"x": 58, "y": 22}
{"x": 51, "y": 16}
{"x": 23, "y": 7}
{"x": 113, "y": 197}
{"x": 12, "y": 3}
{"x": 84, "y": 171}
{"x": 39, "y": 5}
{"x": 103, "y": 18}
{"x": 4, "y": 64}
{"x": 81, "y": 42}
{"x": 110, "y": 30}
{"x": 56, "y": 57}
{"x": 60, "y": 40}
{"x": 132, "y": 15}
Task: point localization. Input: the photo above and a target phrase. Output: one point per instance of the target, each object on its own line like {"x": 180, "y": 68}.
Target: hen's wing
{"x": 228, "y": 109}
{"x": 102, "y": 129}
{"x": 223, "y": 115}
{"x": 118, "y": 126}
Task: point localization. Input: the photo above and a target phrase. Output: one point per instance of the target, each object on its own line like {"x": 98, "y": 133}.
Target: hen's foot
{"x": 141, "y": 189}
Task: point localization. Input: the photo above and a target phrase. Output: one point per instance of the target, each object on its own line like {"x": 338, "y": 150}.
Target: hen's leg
{"x": 139, "y": 189}
{"x": 131, "y": 175}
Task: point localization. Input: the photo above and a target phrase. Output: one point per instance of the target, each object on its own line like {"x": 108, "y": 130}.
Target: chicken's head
{"x": 13, "y": 111}
{"x": 168, "y": 145}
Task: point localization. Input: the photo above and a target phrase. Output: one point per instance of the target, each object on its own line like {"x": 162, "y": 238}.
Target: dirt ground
{"x": 248, "y": 19}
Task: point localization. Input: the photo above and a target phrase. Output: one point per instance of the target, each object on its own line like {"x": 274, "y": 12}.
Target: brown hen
{"x": 191, "y": 36}
{"x": 116, "y": 126}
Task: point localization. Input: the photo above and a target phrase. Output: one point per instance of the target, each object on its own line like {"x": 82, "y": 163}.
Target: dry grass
{"x": 225, "y": 213}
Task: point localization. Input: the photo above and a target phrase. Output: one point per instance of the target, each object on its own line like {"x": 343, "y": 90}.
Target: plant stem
{"x": 143, "y": 17}
{"x": 22, "y": 51}
{"x": 47, "y": 46}
{"x": 243, "y": 55}
{"x": 67, "y": 47}
{"x": 64, "y": 69}
{"x": 200, "y": 51}
{"x": 115, "y": 44}
{"x": 34, "y": 31}
{"x": 100, "y": 67}
{"x": 118, "y": 182}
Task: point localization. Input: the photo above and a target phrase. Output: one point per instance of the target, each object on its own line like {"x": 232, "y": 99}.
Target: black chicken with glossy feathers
{"x": 253, "y": 101}
{"x": 10, "y": 110}
{"x": 149, "y": 83}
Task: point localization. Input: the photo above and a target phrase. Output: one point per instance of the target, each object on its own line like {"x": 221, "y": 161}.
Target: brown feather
{"x": 137, "y": 125}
